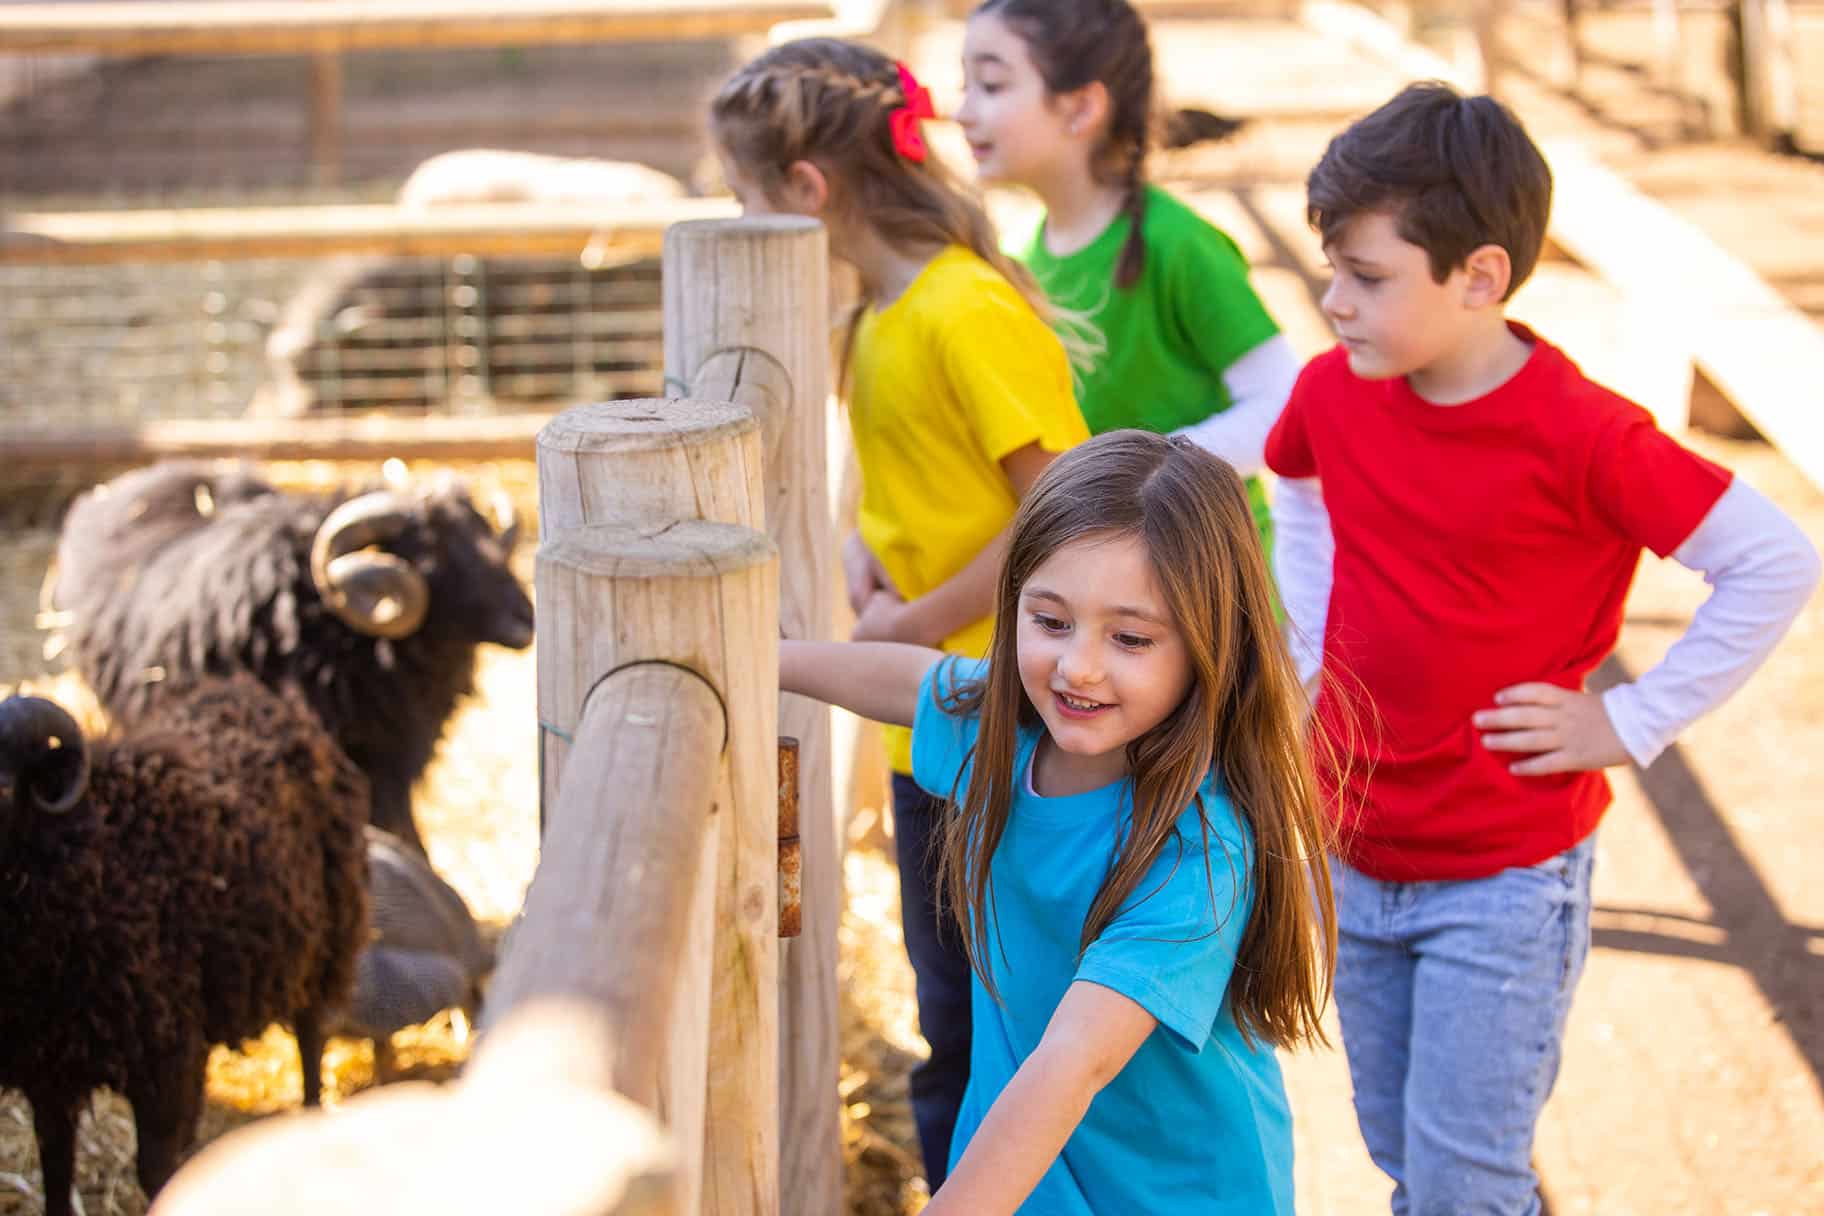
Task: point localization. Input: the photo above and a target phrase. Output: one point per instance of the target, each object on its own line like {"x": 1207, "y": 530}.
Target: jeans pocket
{"x": 1569, "y": 867}
{"x": 1558, "y": 867}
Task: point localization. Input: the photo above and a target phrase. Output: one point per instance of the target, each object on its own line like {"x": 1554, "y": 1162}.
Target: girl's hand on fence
{"x": 883, "y": 618}
{"x": 1566, "y": 731}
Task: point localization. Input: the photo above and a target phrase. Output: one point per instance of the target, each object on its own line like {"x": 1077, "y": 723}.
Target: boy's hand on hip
{"x": 1566, "y": 731}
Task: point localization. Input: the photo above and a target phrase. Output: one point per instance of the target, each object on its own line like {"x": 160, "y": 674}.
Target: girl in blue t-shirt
{"x": 1058, "y": 99}
{"x": 1135, "y": 843}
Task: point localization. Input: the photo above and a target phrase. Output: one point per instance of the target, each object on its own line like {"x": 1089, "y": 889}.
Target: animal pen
{"x": 179, "y": 300}
{"x": 647, "y": 959}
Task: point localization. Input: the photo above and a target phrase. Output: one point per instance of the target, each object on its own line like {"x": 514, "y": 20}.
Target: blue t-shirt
{"x": 1197, "y": 1122}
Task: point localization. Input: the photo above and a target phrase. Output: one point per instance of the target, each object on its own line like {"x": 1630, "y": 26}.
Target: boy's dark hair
{"x": 1454, "y": 172}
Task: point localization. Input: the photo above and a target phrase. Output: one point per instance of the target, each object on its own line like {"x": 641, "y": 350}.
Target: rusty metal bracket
{"x": 791, "y": 857}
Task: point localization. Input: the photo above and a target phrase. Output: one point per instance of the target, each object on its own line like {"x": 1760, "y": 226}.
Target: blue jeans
{"x": 1452, "y": 998}
{"x": 940, "y": 968}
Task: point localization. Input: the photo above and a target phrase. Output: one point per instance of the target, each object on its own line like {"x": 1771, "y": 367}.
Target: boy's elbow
{"x": 1801, "y": 567}
{"x": 1811, "y": 567}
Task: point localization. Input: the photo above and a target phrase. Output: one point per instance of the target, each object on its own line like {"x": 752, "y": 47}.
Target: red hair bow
{"x": 907, "y": 140}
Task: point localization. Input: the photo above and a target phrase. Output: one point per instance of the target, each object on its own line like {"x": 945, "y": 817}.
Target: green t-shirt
{"x": 1169, "y": 338}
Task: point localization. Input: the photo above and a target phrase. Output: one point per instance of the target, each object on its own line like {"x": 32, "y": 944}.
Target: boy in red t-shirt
{"x": 1489, "y": 506}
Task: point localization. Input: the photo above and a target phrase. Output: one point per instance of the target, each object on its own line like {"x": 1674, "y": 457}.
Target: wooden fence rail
{"x": 53, "y": 238}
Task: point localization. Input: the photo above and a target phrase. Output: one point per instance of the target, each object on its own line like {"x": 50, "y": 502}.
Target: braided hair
{"x": 1075, "y": 43}
{"x": 831, "y": 102}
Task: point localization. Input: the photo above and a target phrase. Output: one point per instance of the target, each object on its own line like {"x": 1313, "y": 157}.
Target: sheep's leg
{"x": 391, "y": 807}
{"x": 166, "y": 1107}
{"x": 55, "y": 1123}
{"x": 309, "y": 1030}
{"x": 386, "y": 1064}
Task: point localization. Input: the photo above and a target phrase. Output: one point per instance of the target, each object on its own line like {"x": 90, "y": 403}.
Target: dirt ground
{"x": 1693, "y": 1079}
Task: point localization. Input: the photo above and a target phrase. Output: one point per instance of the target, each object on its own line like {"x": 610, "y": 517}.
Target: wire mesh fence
{"x": 121, "y": 344}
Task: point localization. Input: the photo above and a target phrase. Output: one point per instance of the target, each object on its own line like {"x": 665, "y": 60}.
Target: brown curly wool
{"x": 209, "y": 881}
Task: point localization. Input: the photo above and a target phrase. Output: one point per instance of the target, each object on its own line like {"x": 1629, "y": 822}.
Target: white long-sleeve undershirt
{"x": 1258, "y": 384}
{"x": 1762, "y": 570}
{"x": 1759, "y": 563}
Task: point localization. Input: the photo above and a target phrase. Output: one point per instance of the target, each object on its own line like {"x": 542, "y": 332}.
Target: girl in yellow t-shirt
{"x": 959, "y": 395}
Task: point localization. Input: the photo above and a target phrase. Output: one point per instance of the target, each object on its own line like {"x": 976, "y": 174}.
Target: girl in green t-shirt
{"x": 1058, "y": 97}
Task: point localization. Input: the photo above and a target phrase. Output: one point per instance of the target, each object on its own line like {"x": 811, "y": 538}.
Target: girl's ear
{"x": 1085, "y": 110}
{"x": 806, "y": 190}
{"x": 1488, "y": 270}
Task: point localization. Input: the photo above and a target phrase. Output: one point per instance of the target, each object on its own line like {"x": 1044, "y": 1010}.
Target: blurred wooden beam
{"x": 201, "y": 233}
{"x": 279, "y": 27}
{"x": 374, "y": 437}
{"x": 1763, "y": 353}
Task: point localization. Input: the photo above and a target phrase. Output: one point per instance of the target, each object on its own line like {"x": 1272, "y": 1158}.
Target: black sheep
{"x": 372, "y": 604}
{"x": 188, "y": 884}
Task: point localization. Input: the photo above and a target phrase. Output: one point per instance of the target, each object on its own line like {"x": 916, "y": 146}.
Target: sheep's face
{"x": 467, "y": 563}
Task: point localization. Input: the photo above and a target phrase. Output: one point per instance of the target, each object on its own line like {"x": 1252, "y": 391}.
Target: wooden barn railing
{"x": 324, "y": 29}
{"x": 644, "y": 977}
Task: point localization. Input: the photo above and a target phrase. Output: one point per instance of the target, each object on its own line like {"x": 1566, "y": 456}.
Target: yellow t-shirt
{"x": 955, "y": 374}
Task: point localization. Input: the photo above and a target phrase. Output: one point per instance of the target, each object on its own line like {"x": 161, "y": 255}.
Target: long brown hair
{"x": 1242, "y": 718}
{"x": 1074, "y": 43}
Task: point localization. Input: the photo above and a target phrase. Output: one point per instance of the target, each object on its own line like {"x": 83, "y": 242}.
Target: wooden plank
{"x": 1764, "y": 354}
{"x": 496, "y": 437}
{"x": 202, "y": 233}
{"x": 212, "y": 27}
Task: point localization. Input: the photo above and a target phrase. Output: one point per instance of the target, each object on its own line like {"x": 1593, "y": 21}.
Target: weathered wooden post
{"x": 1768, "y": 85}
{"x": 657, "y": 467}
{"x": 747, "y": 319}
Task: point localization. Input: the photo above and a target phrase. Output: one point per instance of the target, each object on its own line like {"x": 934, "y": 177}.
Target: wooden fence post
{"x": 642, "y": 463}
{"x": 747, "y": 317}
{"x": 663, "y": 464}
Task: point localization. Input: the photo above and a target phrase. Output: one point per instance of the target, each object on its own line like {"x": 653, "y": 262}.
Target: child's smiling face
{"x": 1101, "y": 657}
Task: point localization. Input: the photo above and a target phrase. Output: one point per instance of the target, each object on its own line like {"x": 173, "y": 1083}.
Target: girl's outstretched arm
{"x": 877, "y": 680}
{"x": 1090, "y": 1038}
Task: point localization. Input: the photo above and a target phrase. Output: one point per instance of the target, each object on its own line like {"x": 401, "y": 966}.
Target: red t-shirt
{"x": 1477, "y": 546}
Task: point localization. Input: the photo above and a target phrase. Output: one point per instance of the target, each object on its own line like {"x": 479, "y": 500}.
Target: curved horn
{"x": 506, "y": 519}
{"x": 31, "y": 727}
{"x": 378, "y": 594}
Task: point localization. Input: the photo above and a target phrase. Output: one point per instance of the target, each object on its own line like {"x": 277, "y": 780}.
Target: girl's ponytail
{"x": 1133, "y": 250}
